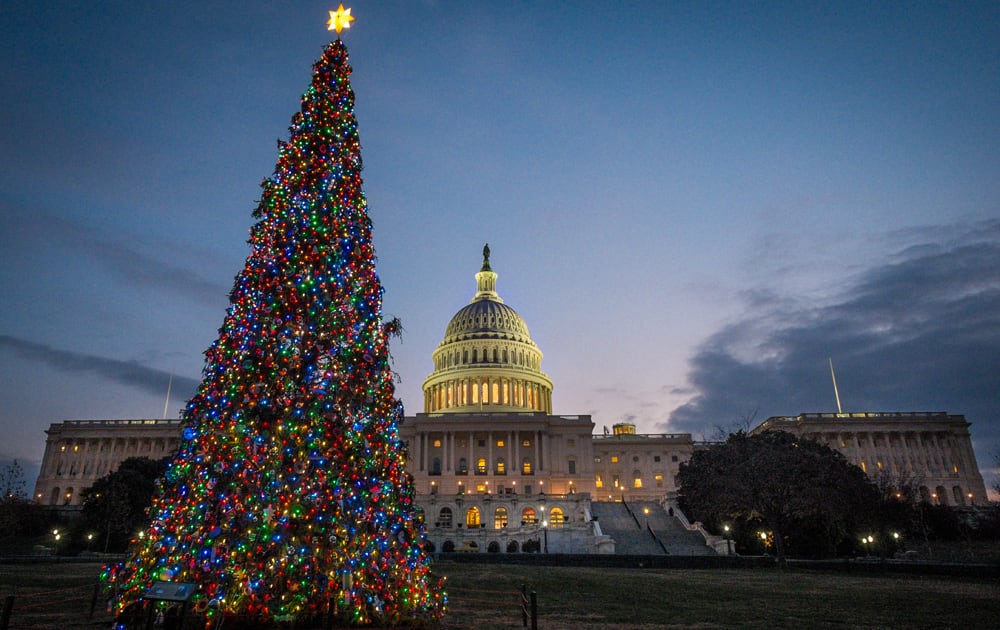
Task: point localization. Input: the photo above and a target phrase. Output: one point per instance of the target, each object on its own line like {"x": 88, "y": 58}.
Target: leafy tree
{"x": 996, "y": 479}
{"x": 12, "y": 483}
{"x": 115, "y": 506}
{"x": 799, "y": 490}
{"x": 19, "y": 516}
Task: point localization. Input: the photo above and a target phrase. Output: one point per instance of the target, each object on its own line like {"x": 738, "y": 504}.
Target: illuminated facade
{"x": 638, "y": 467}
{"x": 928, "y": 452}
{"x": 79, "y": 452}
{"x": 495, "y": 470}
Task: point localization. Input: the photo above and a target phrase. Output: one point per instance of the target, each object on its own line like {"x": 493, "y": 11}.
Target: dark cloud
{"x": 128, "y": 373}
{"x": 126, "y": 260}
{"x": 918, "y": 333}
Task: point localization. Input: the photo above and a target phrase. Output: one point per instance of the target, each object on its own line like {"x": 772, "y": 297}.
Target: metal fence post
{"x": 8, "y": 607}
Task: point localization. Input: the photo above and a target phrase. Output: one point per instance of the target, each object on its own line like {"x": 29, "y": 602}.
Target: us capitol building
{"x": 496, "y": 471}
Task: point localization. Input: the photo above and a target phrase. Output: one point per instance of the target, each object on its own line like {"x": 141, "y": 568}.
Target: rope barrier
{"x": 451, "y": 589}
{"x": 21, "y": 594}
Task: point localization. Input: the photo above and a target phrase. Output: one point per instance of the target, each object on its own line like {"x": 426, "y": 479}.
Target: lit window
{"x": 863, "y": 467}
{"x": 472, "y": 518}
{"x": 501, "y": 467}
{"x": 500, "y": 518}
{"x": 597, "y": 459}
{"x": 598, "y": 482}
{"x": 659, "y": 481}
{"x": 614, "y": 459}
{"x": 525, "y": 442}
{"x": 481, "y": 466}
{"x": 528, "y": 516}
{"x": 500, "y": 443}
{"x": 437, "y": 443}
{"x": 556, "y": 517}
{"x": 481, "y": 488}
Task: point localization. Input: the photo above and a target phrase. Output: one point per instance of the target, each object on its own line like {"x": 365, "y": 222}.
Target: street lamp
{"x": 867, "y": 542}
{"x": 726, "y": 533}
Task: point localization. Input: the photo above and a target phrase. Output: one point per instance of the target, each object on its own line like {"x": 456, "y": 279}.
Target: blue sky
{"x": 693, "y": 205}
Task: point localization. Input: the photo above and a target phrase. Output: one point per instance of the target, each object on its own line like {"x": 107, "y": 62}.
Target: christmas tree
{"x": 288, "y": 499}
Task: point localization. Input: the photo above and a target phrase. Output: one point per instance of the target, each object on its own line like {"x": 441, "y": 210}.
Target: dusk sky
{"x": 693, "y": 205}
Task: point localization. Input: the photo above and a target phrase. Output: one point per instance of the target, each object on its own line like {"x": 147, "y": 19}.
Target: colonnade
{"x": 438, "y": 452}
{"x": 487, "y": 390}
{"x": 78, "y": 452}
{"x": 937, "y": 461}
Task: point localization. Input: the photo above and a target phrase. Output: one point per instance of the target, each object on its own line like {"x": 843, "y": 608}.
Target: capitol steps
{"x": 627, "y": 525}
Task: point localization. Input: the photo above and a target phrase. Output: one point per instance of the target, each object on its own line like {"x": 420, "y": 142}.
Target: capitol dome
{"x": 487, "y": 360}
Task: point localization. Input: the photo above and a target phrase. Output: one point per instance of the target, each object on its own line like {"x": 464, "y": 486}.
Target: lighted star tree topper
{"x": 287, "y": 499}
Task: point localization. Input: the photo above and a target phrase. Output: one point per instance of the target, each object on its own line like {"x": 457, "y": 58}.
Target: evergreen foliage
{"x": 288, "y": 500}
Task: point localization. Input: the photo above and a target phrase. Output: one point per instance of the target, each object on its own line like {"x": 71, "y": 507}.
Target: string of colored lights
{"x": 288, "y": 497}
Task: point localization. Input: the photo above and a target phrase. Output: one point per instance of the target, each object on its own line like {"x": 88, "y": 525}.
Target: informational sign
{"x": 171, "y": 591}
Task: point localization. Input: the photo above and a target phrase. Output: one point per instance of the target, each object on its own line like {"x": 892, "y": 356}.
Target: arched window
{"x": 54, "y": 499}
{"x": 636, "y": 479}
{"x": 445, "y": 518}
{"x": 472, "y": 517}
{"x": 512, "y": 547}
{"x": 556, "y": 518}
{"x": 526, "y": 466}
{"x": 959, "y": 497}
{"x": 481, "y": 466}
{"x": 501, "y": 467}
{"x": 500, "y": 518}
{"x": 463, "y": 466}
{"x": 528, "y": 516}
{"x": 68, "y": 495}
{"x": 436, "y": 466}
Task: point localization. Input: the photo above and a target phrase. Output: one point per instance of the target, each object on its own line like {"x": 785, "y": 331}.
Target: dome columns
{"x": 477, "y": 392}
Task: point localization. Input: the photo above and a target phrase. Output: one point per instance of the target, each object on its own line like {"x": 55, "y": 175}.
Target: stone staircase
{"x": 627, "y": 524}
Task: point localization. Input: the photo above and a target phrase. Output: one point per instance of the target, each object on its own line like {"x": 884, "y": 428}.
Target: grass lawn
{"x": 58, "y": 595}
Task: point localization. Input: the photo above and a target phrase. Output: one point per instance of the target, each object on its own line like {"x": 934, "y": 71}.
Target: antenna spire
{"x": 836, "y": 393}
{"x": 170, "y": 384}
